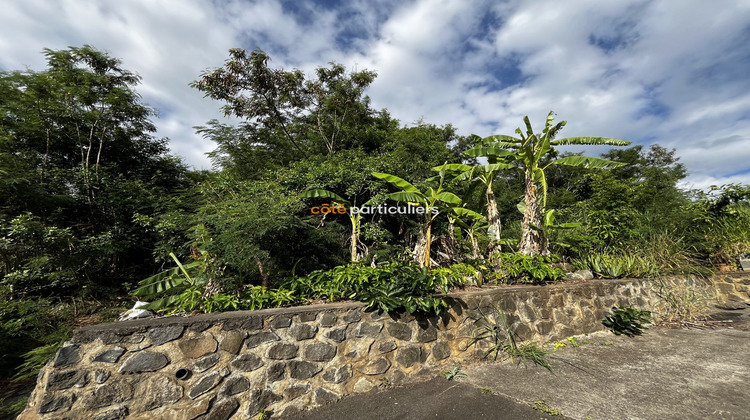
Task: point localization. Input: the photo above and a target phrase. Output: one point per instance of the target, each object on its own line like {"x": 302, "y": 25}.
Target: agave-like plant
{"x": 526, "y": 153}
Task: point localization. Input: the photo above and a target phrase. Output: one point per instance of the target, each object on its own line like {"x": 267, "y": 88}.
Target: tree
{"x": 287, "y": 114}
{"x": 530, "y": 154}
{"x": 81, "y": 159}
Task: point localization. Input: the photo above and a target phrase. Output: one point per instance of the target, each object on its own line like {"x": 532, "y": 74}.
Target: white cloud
{"x": 653, "y": 72}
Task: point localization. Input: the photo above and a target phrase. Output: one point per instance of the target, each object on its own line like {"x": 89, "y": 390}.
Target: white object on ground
{"x": 137, "y": 313}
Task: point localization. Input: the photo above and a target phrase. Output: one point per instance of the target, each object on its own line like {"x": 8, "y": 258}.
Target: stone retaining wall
{"x": 732, "y": 286}
{"x": 237, "y": 364}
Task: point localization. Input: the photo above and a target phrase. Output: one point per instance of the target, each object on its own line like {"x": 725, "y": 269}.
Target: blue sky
{"x": 666, "y": 72}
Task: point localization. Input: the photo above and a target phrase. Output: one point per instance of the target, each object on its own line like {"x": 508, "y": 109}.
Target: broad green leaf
{"x": 159, "y": 283}
{"x": 549, "y": 218}
{"x": 448, "y": 197}
{"x": 529, "y": 130}
{"x": 590, "y": 141}
{"x": 325, "y": 194}
{"x": 502, "y": 139}
{"x": 408, "y": 197}
{"x": 491, "y": 150}
{"x": 587, "y": 162}
{"x": 396, "y": 181}
{"x": 453, "y": 167}
{"x": 493, "y": 167}
{"x": 548, "y": 123}
{"x": 161, "y": 303}
{"x": 463, "y": 212}
{"x": 570, "y": 225}
{"x": 182, "y": 268}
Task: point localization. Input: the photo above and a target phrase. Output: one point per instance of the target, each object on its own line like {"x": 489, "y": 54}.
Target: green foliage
{"x": 454, "y": 372}
{"x": 628, "y": 321}
{"x": 529, "y": 269}
{"x": 542, "y": 407}
{"x": 179, "y": 289}
{"x": 433, "y": 201}
{"x": 13, "y": 408}
{"x": 457, "y": 275}
{"x": 618, "y": 266}
{"x": 532, "y": 154}
{"x": 26, "y": 325}
{"x": 389, "y": 287}
{"x": 79, "y": 157}
{"x": 35, "y": 359}
{"x": 494, "y": 328}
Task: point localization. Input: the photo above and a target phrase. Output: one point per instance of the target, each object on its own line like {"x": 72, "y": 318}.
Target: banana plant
{"x": 527, "y": 153}
{"x": 181, "y": 286}
{"x": 476, "y": 223}
{"x": 484, "y": 174}
{"x": 354, "y": 217}
{"x": 433, "y": 202}
{"x": 548, "y": 224}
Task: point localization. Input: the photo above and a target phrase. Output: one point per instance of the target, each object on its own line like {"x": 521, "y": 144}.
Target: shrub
{"x": 532, "y": 270}
{"x": 389, "y": 286}
{"x": 628, "y": 321}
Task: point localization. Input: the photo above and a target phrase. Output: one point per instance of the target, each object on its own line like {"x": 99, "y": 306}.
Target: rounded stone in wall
{"x": 194, "y": 348}
{"x": 283, "y": 351}
{"x": 319, "y": 352}
{"x": 155, "y": 391}
{"x": 144, "y": 362}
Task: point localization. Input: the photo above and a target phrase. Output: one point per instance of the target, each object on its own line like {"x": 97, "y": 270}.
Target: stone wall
{"x": 236, "y": 364}
{"x": 732, "y": 286}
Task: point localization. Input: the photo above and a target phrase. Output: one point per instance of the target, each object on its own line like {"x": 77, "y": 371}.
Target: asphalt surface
{"x": 699, "y": 372}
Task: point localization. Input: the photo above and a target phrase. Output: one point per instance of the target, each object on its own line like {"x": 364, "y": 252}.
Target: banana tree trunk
{"x": 474, "y": 246}
{"x": 453, "y": 245}
{"x": 493, "y": 218}
{"x": 213, "y": 287}
{"x": 354, "y": 239}
{"x": 533, "y": 241}
{"x": 422, "y": 248}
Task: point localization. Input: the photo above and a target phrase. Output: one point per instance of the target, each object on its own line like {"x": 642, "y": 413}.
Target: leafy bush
{"x": 628, "y": 321}
{"x": 389, "y": 286}
{"x": 457, "y": 275}
{"x": 179, "y": 289}
{"x": 533, "y": 270}
{"x": 28, "y": 324}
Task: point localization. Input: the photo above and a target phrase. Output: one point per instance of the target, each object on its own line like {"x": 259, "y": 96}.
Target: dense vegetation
{"x": 91, "y": 202}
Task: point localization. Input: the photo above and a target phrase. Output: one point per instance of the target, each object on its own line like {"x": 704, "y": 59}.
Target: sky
{"x": 672, "y": 73}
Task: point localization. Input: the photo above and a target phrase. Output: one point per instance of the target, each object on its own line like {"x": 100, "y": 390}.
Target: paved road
{"x": 664, "y": 374}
